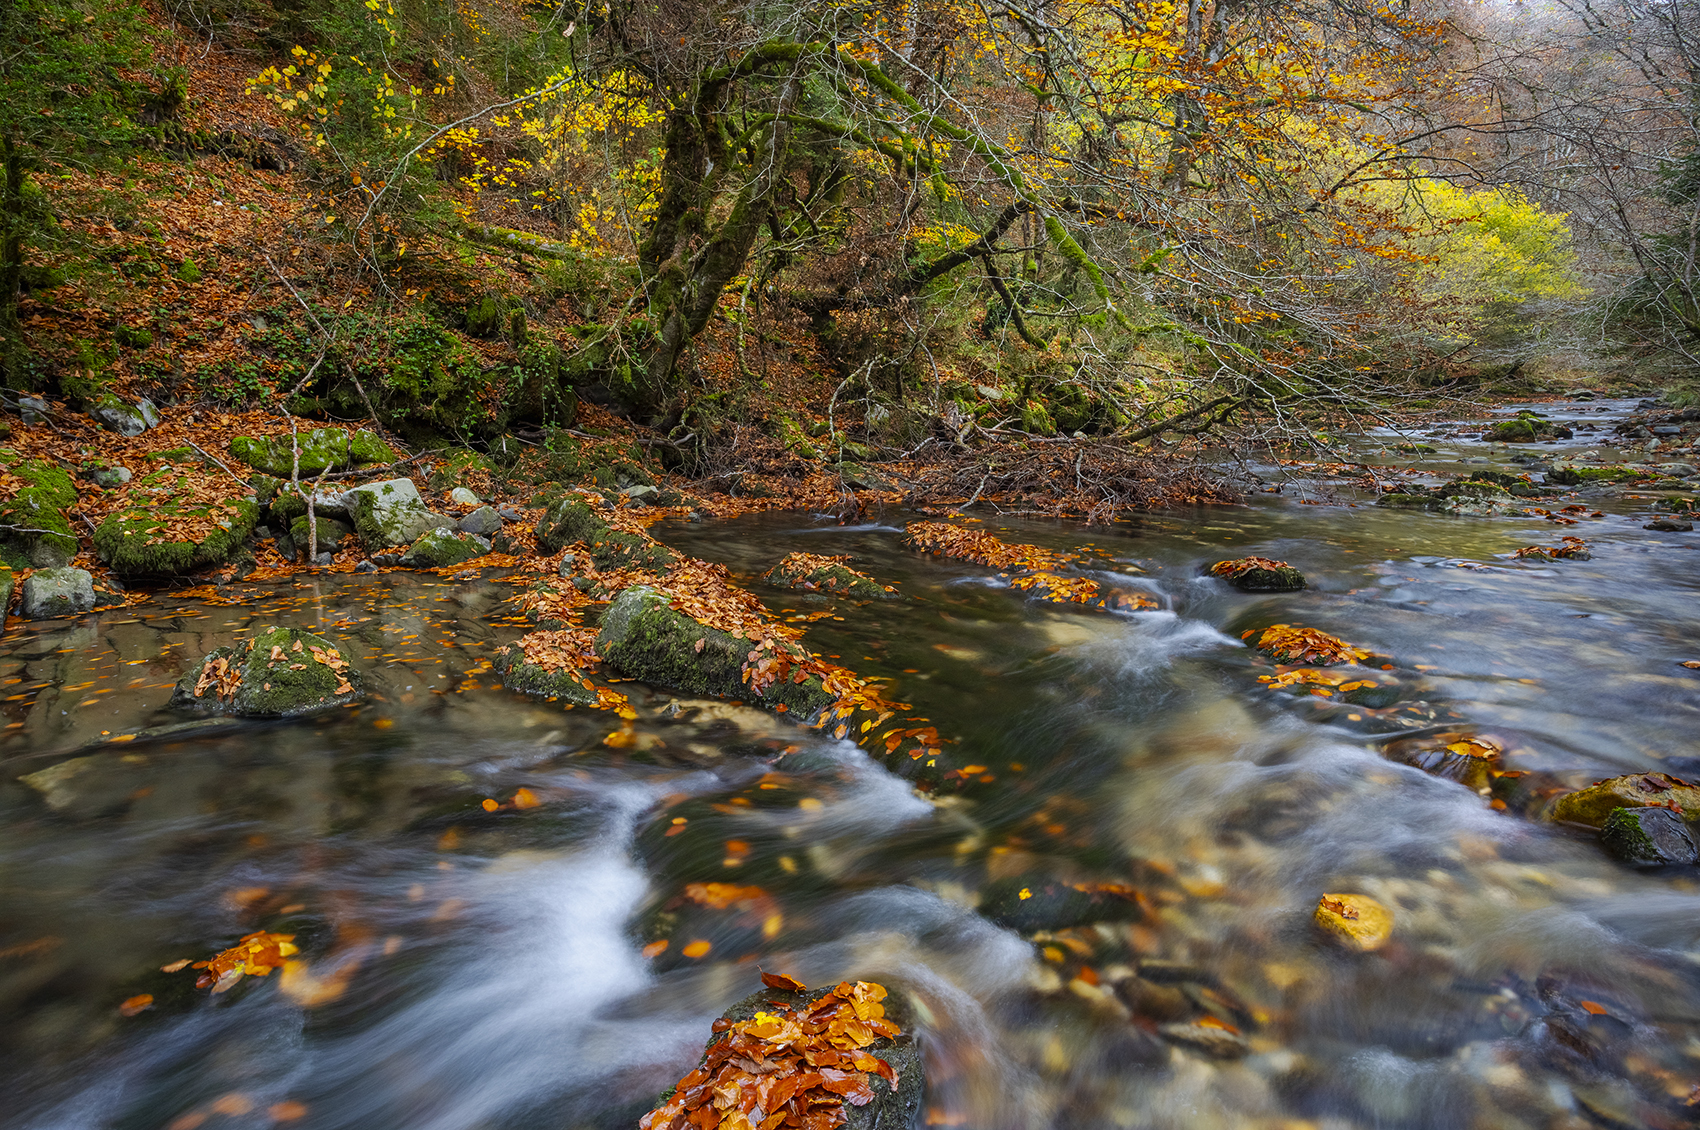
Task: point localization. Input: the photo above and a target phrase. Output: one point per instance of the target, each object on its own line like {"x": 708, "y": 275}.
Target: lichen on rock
{"x": 391, "y": 513}
{"x": 1593, "y": 806}
{"x": 441, "y": 548}
{"x": 38, "y": 532}
{"x": 279, "y": 673}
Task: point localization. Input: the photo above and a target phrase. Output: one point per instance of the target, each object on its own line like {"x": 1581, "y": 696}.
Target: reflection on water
{"x": 1173, "y": 820}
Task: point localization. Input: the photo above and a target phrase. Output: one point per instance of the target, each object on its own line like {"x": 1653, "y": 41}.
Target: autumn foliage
{"x": 795, "y": 1066}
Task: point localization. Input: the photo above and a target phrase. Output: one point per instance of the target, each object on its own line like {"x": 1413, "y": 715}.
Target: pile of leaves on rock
{"x": 794, "y": 1066}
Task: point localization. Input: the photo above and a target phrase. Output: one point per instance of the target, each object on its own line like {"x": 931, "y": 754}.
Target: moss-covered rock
{"x": 8, "y": 581}
{"x": 530, "y": 678}
{"x": 279, "y": 673}
{"x": 1648, "y": 837}
{"x": 332, "y": 533}
{"x": 808, "y": 572}
{"x": 165, "y": 529}
{"x": 52, "y": 594}
{"x": 1259, "y": 574}
{"x": 391, "y": 513}
{"x": 644, "y": 637}
{"x": 570, "y": 520}
{"x": 1525, "y": 427}
{"x": 439, "y": 549}
{"x": 320, "y": 448}
{"x": 1573, "y": 476}
{"x": 1594, "y": 805}
{"x": 40, "y": 531}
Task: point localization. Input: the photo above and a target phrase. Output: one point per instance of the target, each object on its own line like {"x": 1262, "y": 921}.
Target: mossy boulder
{"x": 808, "y": 572}
{"x": 570, "y": 520}
{"x": 439, "y": 549}
{"x": 332, "y": 532}
{"x": 164, "y": 528}
{"x": 533, "y": 679}
{"x": 321, "y": 448}
{"x": 52, "y": 594}
{"x": 644, "y": 637}
{"x": 1525, "y": 427}
{"x": 1594, "y": 805}
{"x": 40, "y": 531}
{"x": 125, "y": 419}
{"x": 1259, "y": 574}
{"x": 280, "y": 673}
{"x": 391, "y": 513}
{"x": 1573, "y": 476}
{"x": 8, "y": 582}
{"x": 1649, "y": 837}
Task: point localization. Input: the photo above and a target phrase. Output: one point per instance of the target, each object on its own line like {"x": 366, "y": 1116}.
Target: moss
{"x": 133, "y": 337}
{"x": 132, "y": 539}
{"x": 1035, "y": 418}
{"x": 645, "y": 638}
{"x": 320, "y": 449}
{"x": 439, "y": 549}
{"x": 570, "y": 520}
{"x": 280, "y": 677}
{"x": 1281, "y": 578}
{"x": 529, "y": 678}
{"x": 44, "y": 537}
{"x": 7, "y": 583}
{"x": 838, "y": 579}
{"x": 462, "y": 469}
{"x": 331, "y": 531}
{"x": 189, "y": 272}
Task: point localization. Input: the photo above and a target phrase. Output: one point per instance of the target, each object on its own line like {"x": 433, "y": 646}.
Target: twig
{"x": 244, "y": 482}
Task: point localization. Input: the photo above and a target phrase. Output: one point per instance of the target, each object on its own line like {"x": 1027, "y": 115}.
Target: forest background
{"x": 825, "y": 234}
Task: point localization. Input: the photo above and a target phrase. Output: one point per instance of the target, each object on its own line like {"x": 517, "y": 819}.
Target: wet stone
{"x": 1215, "y": 1042}
{"x": 1593, "y": 806}
{"x": 1670, "y": 525}
{"x": 439, "y": 549}
{"x": 484, "y": 522}
{"x": 1649, "y": 837}
{"x": 279, "y": 673}
{"x": 391, "y": 513}
{"x": 54, "y": 593}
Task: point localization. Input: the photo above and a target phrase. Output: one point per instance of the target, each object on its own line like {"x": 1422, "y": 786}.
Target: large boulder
{"x": 52, "y": 594}
{"x": 125, "y": 419}
{"x": 1259, "y": 574}
{"x": 573, "y": 519}
{"x": 170, "y": 524}
{"x": 439, "y": 549}
{"x": 330, "y": 533}
{"x": 391, "y": 513}
{"x": 1593, "y": 806}
{"x": 34, "y": 529}
{"x": 279, "y": 673}
{"x": 320, "y": 448}
{"x": 809, "y": 572}
{"x": 840, "y": 1056}
{"x": 643, "y": 636}
{"x": 1525, "y": 427}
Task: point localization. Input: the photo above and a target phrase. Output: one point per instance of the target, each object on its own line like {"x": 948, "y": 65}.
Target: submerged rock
{"x": 391, "y": 513}
{"x": 1357, "y": 920}
{"x": 166, "y": 527}
{"x": 644, "y": 637}
{"x": 51, "y": 594}
{"x": 320, "y": 448}
{"x": 1213, "y": 1040}
{"x": 439, "y": 549}
{"x": 1648, "y": 837}
{"x": 1259, "y": 574}
{"x": 1593, "y": 806}
{"x": 1670, "y": 525}
{"x": 279, "y": 673}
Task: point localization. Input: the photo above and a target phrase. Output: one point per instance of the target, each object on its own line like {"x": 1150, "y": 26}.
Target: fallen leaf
{"x": 780, "y": 981}
{"x": 136, "y": 1004}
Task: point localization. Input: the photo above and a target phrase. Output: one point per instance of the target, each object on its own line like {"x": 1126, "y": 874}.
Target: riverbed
{"x": 467, "y": 969}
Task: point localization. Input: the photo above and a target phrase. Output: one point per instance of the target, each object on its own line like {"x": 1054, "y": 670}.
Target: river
{"x": 470, "y": 969}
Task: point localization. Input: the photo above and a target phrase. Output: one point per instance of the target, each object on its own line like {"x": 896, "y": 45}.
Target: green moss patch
{"x": 279, "y": 673}
{"x": 320, "y": 448}
{"x": 166, "y": 530}
{"x": 40, "y": 535}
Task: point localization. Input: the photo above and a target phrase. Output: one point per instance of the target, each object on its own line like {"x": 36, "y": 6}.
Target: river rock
{"x": 439, "y": 549}
{"x": 1032, "y": 902}
{"x": 1259, "y": 574}
{"x": 391, "y": 513}
{"x": 119, "y": 416}
{"x": 279, "y": 673}
{"x": 460, "y": 496}
{"x": 332, "y": 532}
{"x": 892, "y": 1108}
{"x": 573, "y": 519}
{"x": 7, "y": 583}
{"x": 569, "y": 520}
{"x": 1593, "y": 806}
{"x": 320, "y": 448}
{"x": 51, "y": 594}
{"x": 484, "y": 522}
{"x": 810, "y": 573}
{"x": 150, "y": 534}
{"x": 643, "y": 637}
{"x": 1525, "y": 427}
{"x": 1648, "y": 837}
{"x": 37, "y": 532}
{"x": 1359, "y": 921}
{"x": 535, "y": 679}
{"x": 1213, "y": 1041}
{"x": 1670, "y": 525}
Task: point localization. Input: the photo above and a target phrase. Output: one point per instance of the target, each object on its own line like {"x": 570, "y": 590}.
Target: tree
{"x": 63, "y": 101}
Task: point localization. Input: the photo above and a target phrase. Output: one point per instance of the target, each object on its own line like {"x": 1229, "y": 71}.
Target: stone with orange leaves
{"x": 1358, "y": 921}
{"x": 278, "y": 673}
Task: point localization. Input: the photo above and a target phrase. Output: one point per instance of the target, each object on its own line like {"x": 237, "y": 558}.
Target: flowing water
{"x": 470, "y": 969}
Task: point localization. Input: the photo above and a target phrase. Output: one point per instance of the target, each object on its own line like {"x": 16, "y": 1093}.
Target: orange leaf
{"x": 780, "y": 981}
{"x": 697, "y": 948}
{"x": 525, "y": 798}
{"x": 136, "y": 1004}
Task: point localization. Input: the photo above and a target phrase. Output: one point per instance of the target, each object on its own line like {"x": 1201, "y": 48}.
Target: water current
{"x": 1174, "y": 819}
